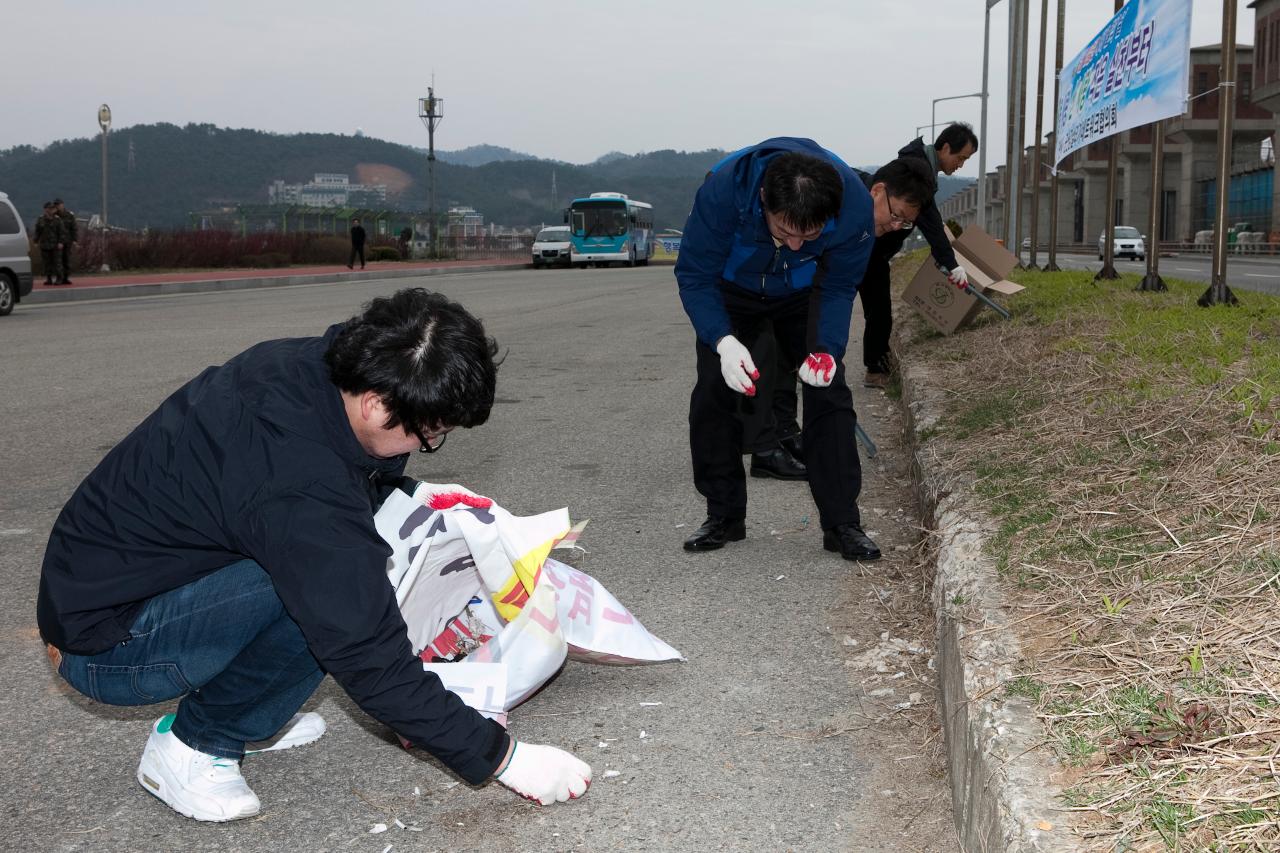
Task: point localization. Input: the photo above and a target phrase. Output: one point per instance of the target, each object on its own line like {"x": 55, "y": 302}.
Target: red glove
{"x": 450, "y": 495}
{"x": 818, "y": 370}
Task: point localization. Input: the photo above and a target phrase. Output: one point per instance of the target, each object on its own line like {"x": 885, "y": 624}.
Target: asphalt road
{"x": 1244, "y": 272}
{"x": 768, "y": 738}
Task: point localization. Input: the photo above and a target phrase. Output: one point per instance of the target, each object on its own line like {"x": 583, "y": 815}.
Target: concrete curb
{"x": 1000, "y": 768}
{"x": 116, "y": 291}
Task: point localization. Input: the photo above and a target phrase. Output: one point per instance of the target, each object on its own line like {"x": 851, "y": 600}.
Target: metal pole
{"x": 1152, "y": 280}
{"x": 1024, "y": 27}
{"x": 1052, "y": 266}
{"x": 1035, "y": 159}
{"x": 1218, "y": 292}
{"x": 1011, "y": 111}
{"x": 982, "y": 138}
{"x": 1108, "y": 270}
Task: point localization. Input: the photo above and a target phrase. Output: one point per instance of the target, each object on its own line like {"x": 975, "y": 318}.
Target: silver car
{"x": 15, "y": 262}
{"x": 1128, "y": 242}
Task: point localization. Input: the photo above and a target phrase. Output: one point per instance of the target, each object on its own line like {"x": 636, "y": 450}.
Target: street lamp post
{"x": 431, "y": 111}
{"x": 933, "y": 114}
{"x": 104, "y": 121}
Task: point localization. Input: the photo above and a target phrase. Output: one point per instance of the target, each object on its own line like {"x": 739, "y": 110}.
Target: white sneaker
{"x": 200, "y": 786}
{"x": 301, "y": 730}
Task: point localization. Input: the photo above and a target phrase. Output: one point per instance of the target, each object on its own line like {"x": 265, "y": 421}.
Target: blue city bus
{"x": 609, "y": 227}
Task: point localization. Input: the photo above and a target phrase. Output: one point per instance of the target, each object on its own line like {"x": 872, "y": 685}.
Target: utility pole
{"x": 1052, "y": 266}
{"x": 982, "y": 139}
{"x": 431, "y": 111}
{"x": 1017, "y": 134}
{"x": 1035, "y": 159}
{"x": 1218, "y": 292}
{"x": 1024, "y": 27}
{"x": 1108, "y": 270}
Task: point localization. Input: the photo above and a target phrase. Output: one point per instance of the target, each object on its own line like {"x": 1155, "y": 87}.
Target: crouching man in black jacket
{"x": 225, "y": 552}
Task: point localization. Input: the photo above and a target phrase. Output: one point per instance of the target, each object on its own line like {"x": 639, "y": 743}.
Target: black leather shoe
{"x": 716, "y": 531}
{"x": 851, "y": 542}
{"x": 779, "y": 464}
{"x": 793, "y": 445}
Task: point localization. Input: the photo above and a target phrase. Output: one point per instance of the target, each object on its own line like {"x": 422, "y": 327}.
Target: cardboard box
{"x": 948, "y": 307}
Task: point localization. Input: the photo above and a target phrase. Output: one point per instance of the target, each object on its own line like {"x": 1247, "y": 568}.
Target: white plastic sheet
{"x": 489, "y": 611}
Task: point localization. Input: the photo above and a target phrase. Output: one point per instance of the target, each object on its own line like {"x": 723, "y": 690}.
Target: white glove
{"x": 959, "y": 277}
{"x": 448, "y": 495}
{"x": 545, "y": 774}
{"x": 818, "y": 370}
{"x": 736, "y": 366}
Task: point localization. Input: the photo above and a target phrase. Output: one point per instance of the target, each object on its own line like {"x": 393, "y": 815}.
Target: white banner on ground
{"x": 489, "y": 612}
{"x": 1134, "y": 72}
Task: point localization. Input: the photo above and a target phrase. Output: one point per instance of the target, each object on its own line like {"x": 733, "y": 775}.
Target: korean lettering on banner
{"x": 1132, "y": 73}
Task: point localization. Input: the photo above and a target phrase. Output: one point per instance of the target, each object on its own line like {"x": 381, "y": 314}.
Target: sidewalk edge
{"x": 117, "y": 291}
{"x": 999, "y": 765}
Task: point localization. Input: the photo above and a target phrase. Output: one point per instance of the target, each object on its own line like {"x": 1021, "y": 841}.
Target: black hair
{"x": 956, "y": 137}
{"x": 804, "y": 191}
{"x": 907, "y": 178}
{"x": 424, "y": 355}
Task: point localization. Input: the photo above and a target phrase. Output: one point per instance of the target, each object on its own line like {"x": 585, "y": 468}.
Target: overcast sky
{"x": 566, "y": 79}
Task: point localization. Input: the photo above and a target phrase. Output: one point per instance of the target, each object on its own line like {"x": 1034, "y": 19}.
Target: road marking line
{"x": 1260, "y": 275}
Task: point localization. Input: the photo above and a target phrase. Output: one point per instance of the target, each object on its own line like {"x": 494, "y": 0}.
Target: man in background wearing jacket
{"x": 781, "y": 232}
{"x": 956, "y": 144}
{"x": 225, "y": 552}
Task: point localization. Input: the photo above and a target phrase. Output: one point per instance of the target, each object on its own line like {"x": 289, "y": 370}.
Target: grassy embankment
{"x": 1127, "y": 446}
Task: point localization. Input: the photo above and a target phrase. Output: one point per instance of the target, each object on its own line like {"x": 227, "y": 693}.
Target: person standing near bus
{"x": 781, "y": 232}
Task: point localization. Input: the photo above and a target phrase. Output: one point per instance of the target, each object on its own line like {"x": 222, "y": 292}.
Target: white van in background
{"x": 15, "y": 260}
{"x": 552, "y": 246}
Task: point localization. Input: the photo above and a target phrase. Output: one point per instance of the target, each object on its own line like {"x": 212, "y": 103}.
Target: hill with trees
{"x": 159, "y": 174}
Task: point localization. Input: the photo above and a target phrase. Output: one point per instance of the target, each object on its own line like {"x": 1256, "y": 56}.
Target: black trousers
{"x": 715, "y": 431}
{"x": 877, "y": 306}
{"x": 357, "y": 250}
{"x": 66, "y": 263}
{"x": 772, "y": 414}
{"x": 49, "y": 260}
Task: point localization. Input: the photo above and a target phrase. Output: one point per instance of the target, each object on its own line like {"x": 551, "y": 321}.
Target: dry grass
{"x": 1127, "y": 446}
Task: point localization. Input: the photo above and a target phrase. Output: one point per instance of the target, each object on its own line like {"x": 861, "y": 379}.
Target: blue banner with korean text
{"x": 1134, "y": 72}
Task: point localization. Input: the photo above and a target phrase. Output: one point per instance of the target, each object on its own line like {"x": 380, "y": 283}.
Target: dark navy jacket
{"x": 929, "y": 220}
{"x": 257, "y": 459}
{"x": 726, "y": 240}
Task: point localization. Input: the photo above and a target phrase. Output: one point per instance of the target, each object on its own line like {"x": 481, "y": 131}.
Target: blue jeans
{"x": 225, "y": 644}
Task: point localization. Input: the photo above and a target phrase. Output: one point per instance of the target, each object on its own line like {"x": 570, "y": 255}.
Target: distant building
{"x": 464, "y": 222}
{"x": 327, "y": 189}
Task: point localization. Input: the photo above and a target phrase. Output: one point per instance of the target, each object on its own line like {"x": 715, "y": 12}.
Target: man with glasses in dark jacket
{"x": 956, "y": 144}
{"x": 225, "y": 552}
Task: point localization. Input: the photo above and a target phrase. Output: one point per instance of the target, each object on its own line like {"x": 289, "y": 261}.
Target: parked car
{"x": 1127, "y": 241}
{"x": 15, "y": 260}
{"x": 551, "y": 246}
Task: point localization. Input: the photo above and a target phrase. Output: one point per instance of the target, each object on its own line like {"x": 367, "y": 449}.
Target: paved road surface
{"x": 777, "y": 734}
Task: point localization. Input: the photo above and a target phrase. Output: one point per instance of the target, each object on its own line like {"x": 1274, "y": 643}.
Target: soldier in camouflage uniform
{"x": 69, "y": 237}
{"x": 50, "y": 236}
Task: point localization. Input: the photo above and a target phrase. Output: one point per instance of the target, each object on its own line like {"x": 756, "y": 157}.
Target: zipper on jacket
{"x": 777, "y": 252}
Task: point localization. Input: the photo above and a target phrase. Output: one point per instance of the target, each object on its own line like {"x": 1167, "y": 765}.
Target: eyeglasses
{"x": 430, "y": 441}
{"x": 901, "y": 222}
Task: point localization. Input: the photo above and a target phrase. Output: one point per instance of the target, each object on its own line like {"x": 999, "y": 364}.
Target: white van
{"x": 15, "y": 262}
{"x": 552, "y": 246}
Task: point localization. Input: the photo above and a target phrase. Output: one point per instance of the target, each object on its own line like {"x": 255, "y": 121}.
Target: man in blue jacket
{"x": 781, "y": 232}
{"x": 225, "y": 552}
